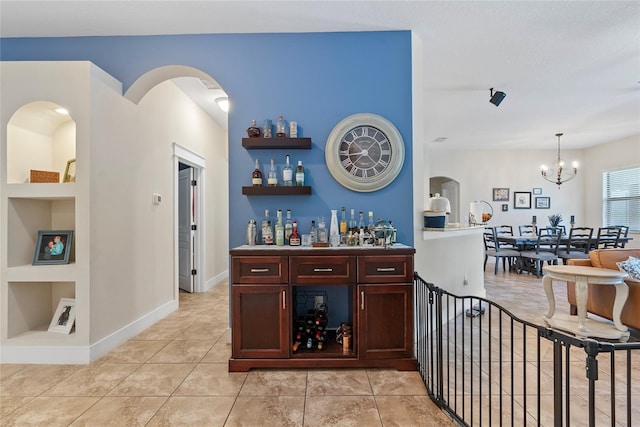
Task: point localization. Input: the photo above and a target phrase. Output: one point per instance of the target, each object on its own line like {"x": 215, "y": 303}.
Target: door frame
{"x": 197, "y": 163}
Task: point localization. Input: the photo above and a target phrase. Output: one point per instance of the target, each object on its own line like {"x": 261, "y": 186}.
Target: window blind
{"x": 621, "y": 198}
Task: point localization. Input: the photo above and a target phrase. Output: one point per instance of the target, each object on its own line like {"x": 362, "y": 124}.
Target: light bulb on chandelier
{"x": 558, "y": 174}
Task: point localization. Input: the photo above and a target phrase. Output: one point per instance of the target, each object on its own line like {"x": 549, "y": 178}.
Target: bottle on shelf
{"x": 370, "y": 228}
{"x": 295, "y": 237}
{"x": 256, "y": 176}
{"x": 360, "y": 228}
{"x": 313, "y": 232}
{"x": 299, "y": 174}
{"x": 253, "y": 131}
{"x": 267, "y": 128}
{"x": 287, "y": 173}
{"x": 288, "y": 227}
{"x": 267, "y": 231}
{"x": 343, "y": 226}
{"x": 279, "y": 229}
{"x": 352, "y": 222}
{"x": 281, "y": 128}
{"x": 323, "y": 235}
{"x": 272, "y": 177}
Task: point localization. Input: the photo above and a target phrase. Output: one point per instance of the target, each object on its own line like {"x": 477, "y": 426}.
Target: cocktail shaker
{"x": 252, "y": 232}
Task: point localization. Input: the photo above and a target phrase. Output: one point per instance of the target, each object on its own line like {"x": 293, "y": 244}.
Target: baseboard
{"x": 215, "y": 280}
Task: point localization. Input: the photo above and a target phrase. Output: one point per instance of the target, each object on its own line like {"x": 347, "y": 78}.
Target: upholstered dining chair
{"x": 545, "y": 250}
{"x": 492, "y": 248}
{"x": 578, "y": 245}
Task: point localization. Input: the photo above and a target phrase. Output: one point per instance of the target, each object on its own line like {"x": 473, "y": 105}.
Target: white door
{"x": 186, "y": 235}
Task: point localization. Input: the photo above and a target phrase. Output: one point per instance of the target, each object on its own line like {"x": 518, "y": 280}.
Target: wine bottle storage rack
{"x": 277, "y": 191}
{"x": 276, "y": 143}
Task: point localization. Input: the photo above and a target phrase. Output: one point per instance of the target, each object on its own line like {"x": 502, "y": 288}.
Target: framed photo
{"x": 70, "y": 171}
{"x": 505, "y": 207}
{"x": 543, "y": 202}
{"x": 53, "y": 247}
{"x": 64, "y": 317}
{"x": 522, "y": 200}
{"x": 500, "y": 194}
{"x": 537, "y": 191}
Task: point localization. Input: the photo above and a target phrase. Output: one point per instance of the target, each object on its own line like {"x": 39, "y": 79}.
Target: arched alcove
{"x": 42, "y": 137}
{"x": 449, "y": 188}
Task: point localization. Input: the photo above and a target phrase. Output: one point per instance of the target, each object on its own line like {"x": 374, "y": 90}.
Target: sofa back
{"x": 607, "y": 258}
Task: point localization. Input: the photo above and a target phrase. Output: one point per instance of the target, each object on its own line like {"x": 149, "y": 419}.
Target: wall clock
{"x": 364, "y": 152}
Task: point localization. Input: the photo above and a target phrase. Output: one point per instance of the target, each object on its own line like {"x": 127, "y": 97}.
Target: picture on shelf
{"x": 543, "y": 202}
{"x": 64, "y": 317}
{"x": 70, "y": 171}
{"x": 500, "y": 194}
{"x": 53, "y": 247}
{"x": 521, "y": 200}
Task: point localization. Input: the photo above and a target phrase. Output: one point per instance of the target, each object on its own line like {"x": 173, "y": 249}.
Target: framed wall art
{"x": 543, "y": 202}
{"x": 537, "y": 191}
{"x": 505, "y": 207}
{"x": 53, "y": 247}
{"x": 522, "y": 200}
{"x": 64, "y": 317}
{"x": 500, "y": 194}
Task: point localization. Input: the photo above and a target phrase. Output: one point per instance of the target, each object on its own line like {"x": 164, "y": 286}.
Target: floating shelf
{"x": 276, "y": 143}
{"x": 276, "y": 191}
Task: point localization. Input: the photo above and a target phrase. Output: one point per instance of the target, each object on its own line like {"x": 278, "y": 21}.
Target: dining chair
{"x": 624, "y": 232}
{"x": 545, "y": 250}
{"x": 608, "y": 237}
{"x": 505, "y": 230}
{"x": 527, "y": 230}
{"x": 578, "y": 245}
{"x": 492, "y": 248}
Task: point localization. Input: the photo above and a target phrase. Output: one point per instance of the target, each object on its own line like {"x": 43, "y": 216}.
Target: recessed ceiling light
{"x": 62, "y": 111}
{"x": 440, "y": 139}
{"x": 223, "y": 103}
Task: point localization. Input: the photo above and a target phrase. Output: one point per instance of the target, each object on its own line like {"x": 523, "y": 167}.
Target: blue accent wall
{"x": 315, "y": 79}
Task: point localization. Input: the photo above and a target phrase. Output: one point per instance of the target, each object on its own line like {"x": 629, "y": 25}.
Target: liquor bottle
{"x": 279, "y": 229}
{"x": 253, "y": 131}
{"x": 288, "y": 227}
{"x": 323, "y": 235}
{"x": 352, "y": 222}
{"x": 343, "y": 226}
{"x": 361, "y": 228}
{"x": 370, "y": 226}
{"x": 256, "y": 177}
{"x": 267, "y": 231}
{"x": 313, "y": 232}
{"x": 295, "y": 237}
{"x": 287, "y": 173}
{"x": 300, "y": 174}
{"x": 281, "y": 128}
{"x": 272, "y": 177}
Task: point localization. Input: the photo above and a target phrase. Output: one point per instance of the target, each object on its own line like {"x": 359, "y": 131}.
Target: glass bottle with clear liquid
{"x": 287, "y": 173}
{"x": 272, "y": 177}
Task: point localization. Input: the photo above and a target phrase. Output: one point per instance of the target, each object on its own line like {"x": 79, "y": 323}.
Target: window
{"x": 621, "y": 198}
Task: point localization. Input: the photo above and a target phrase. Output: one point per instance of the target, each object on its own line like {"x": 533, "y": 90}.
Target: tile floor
{"x": 175, "y": 373}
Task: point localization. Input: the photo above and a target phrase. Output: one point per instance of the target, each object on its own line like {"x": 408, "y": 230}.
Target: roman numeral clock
{"x": 364, "y": 152}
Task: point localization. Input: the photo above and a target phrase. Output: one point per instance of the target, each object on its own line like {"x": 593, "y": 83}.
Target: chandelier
{"x": 558, "y": 173}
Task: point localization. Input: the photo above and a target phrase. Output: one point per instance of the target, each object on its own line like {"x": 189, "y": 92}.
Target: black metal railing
{"x": 485, "y": 367}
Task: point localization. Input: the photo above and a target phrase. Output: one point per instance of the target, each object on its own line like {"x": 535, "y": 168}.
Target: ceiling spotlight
{"x": 62, "y": 111}
{"x": 496, "y": 97}
{"x": 223, "y": 103}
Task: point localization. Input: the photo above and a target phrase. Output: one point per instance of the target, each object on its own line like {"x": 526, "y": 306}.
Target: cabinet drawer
{"x": 323, "y": 269}
{"x": 260, "y": 269}
{"x": 385, "y": 269}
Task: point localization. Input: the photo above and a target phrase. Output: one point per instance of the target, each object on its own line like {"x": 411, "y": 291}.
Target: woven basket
{"x": 44, "y": 176}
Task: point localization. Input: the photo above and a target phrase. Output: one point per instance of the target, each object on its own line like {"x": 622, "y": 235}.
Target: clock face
{"x": 364, "y": 152}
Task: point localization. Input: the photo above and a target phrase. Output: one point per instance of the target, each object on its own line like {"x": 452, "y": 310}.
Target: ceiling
{"x": 571, "y": 67}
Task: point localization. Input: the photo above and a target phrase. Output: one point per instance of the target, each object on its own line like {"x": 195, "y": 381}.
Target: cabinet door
{"x": 260, "y": 321}
{"x": 385, "y": 321}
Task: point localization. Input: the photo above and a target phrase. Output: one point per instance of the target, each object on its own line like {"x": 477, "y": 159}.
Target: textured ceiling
{"x": 571, "y": 67}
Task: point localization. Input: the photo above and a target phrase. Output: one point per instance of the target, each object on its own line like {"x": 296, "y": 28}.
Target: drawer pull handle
{"x": 284, "y": 300}
{"x": 259, "y": 270}
{"x": 322, "y": 270}
{"x": 385, "y": 269}
{"x": 362, "y": 300}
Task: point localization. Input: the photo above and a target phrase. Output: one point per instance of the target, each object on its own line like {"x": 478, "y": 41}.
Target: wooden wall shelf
{"x": 276, "y": 143}
{"x": 277, "y": 191}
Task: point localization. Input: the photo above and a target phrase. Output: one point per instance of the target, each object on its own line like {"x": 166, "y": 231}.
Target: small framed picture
{"x": 505, "y": 207}
{"x": 500, "y": 194}
{"x": 522, "y": 200}
{"x": 53, "y": 247}
{"x": 537, "y": 191}
{"x": 70, "y": 171}
{"x": 543, "y": 202}
{"x": 64, "y": 317}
